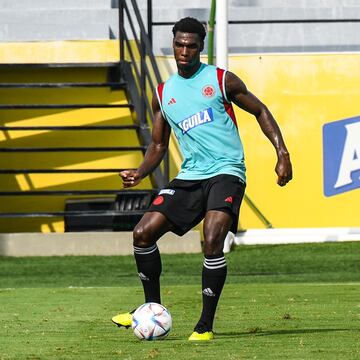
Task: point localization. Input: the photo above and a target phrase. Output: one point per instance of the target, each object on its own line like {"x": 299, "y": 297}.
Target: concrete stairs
{"x": 42, "y": 20}
{"x": 64, "y": 117}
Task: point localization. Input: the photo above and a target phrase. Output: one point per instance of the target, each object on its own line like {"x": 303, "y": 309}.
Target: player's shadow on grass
{"x": 259, "y": 332}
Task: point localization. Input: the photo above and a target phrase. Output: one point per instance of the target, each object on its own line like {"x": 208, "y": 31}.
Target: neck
{"x": 187, "y": 73}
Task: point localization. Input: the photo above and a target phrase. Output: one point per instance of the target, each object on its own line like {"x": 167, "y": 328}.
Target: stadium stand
{"x": 256, "y": 25}
{"x": 57, "y": 116}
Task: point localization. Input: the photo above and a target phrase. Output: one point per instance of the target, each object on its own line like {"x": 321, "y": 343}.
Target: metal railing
{"x": 144, "y": 75}
{"x": 152, "y": 23}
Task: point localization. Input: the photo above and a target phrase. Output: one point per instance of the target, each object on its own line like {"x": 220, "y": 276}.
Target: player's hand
{"x": 283, "y": 169}
{"x": 130, "y": 178}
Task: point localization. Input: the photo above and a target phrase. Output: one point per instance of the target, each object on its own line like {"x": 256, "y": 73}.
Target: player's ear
{"x": 201, "y": 46}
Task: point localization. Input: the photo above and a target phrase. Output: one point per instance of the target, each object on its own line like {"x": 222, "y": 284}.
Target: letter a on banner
{"x": 341, "y": 150}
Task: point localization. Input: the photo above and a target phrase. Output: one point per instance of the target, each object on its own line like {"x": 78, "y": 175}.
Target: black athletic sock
{"x": 213, "y": 279}
{"x": 148, "y": 263}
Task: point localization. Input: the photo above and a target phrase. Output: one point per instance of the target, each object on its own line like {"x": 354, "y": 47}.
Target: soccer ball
{"x": 151, "y": 321}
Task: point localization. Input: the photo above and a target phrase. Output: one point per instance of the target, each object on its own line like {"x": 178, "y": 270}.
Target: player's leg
{"x": 216, "y": 226}
{"x": 224, "y": 194}
{"x": 148, "y": 261}
{"x": 178, "y": 208}
{"x": 146, "y": 233}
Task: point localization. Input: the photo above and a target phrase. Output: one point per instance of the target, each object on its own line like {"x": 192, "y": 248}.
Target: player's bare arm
{"x": 238, "y": 93}
{"x": 155, "y": 151}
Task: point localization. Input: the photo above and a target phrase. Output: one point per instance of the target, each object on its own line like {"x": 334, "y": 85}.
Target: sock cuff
{"x": 145, "y": 251}
{"x": 214, "y": 263}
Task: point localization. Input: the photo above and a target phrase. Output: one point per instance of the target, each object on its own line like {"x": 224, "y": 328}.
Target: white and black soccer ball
{"x": 151, "y": 321}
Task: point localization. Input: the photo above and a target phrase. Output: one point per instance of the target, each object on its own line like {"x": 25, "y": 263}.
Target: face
{"x": 187, "y": 48}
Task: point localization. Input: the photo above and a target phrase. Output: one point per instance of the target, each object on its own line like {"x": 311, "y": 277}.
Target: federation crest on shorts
{"x": 158, "y": 200}
{"x": 208, "y": 91}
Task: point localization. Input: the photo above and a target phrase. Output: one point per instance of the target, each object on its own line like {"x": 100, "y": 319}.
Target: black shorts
{"x": 185, "y": 202}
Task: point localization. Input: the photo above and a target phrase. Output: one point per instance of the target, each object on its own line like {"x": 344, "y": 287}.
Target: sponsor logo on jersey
{"x": 208, "y": 91}
{"x": 167, "y": 191}
{"x": 200, "y": 118}
{"x": 341, "y": 154}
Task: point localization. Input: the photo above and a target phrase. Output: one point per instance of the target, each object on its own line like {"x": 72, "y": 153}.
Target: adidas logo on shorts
{"x": 229, "y": 199}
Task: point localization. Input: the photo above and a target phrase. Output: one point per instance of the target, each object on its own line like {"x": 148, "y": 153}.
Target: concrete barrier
{"x": 296, "y": 236}
{"x": 90, "y": 243}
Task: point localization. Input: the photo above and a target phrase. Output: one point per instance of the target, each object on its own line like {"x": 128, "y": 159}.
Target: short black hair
{"x": 190, "y": 25}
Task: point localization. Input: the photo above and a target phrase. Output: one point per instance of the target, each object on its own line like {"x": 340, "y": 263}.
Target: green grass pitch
{"x": 279, "y": 302}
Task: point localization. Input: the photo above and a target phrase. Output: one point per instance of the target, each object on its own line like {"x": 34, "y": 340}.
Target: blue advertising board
{"x": 341, "y": 156}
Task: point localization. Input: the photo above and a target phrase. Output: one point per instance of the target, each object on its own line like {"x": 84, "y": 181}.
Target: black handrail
{"x": 146, "y": 41}
{"x": 143, "y": 94}
{"x": 147, "y": 73}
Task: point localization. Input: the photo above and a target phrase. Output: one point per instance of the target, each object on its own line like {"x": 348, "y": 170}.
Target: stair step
{"x": 58, "y": 171}
{"x": 67, "y": 213}
{"x": 62, "y": 106}
{"x": 74, "y": 149}
{"x": 59, "y": 192}
{"x": 64, "y": 85}
{"x": 60, "y": 65}
{"x": 76, "y": 128}
{"x": 18, "y": 32}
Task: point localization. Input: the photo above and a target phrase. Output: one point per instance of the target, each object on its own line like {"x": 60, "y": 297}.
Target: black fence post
{"x": 149, "y": 21}
{"x": 121, "y": 24}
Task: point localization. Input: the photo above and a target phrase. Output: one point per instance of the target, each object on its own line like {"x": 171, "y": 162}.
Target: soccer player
{"x": 196, "y": 103}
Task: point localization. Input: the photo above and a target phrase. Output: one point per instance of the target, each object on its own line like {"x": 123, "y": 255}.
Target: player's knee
{"x": 214, "y": 241}
{"x": 213, "y": 244}
{"x": 213, "y": 248}
{"x": 215, "y": 233}
{"x": 141, "y": 236}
